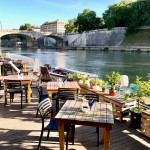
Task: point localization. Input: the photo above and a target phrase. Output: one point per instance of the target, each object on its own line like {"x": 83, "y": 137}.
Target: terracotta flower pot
{"x": 103, "y": 89}
{"x": 112, "y": 93}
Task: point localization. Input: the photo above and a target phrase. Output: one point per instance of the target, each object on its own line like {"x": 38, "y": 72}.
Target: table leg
{"x": 107, "y": 139}
{"x": 24, "y": 67}
{"x": 50, "y": 96}
{"x": 103, "y": 135}
{"x": 0, "y": 71}
{"x": 6, "y": 100}
{"x": 29, "y": 94}
{"x": 61, "y": 134}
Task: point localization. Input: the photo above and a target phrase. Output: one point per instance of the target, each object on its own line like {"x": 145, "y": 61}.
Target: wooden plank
{"x": 144, "y": 115}
{"x": 75, "y": 108}
{"x": 145, "y": 121}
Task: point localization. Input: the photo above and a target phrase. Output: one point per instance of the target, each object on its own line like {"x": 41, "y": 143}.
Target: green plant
{"x": 113, "y": 79}
{"x": 78, "y": 76}
{"x": 69, "y": 76}
{"x": 96, "y": 81}
{"x": 139, "y": 89}
{"x": 104, "y": 84}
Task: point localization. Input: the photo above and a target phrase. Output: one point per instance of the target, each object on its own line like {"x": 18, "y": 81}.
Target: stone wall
{"x": 101, "y": 37}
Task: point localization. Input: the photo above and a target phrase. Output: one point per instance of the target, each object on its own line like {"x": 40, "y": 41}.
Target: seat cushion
{"x": 53, "y": 125}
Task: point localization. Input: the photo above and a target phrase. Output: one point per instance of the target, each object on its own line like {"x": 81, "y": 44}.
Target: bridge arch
{"x": 29, "y": 39}
{"x": 59, "y": 39}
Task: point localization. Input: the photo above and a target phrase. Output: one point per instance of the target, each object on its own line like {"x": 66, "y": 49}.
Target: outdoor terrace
{"x": 20, "y": 130}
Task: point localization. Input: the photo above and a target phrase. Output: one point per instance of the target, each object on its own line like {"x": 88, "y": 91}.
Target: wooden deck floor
{"x": 20, "y": 130}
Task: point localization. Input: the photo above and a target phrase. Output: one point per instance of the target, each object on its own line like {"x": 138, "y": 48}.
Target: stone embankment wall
{"x": 101, "y": 37}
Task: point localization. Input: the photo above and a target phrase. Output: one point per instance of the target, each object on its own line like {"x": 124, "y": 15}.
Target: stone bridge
{"x": 101, "y": 37}
{"x": 32, "y": 36}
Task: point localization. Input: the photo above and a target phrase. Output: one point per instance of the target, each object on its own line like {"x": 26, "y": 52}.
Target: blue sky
{"x": 14, "y": 13}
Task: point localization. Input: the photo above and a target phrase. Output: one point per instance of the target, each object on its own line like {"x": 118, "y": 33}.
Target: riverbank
{"x": 108, "y": 48}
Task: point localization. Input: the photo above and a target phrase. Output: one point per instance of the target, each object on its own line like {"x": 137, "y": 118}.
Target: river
{"x": 98, "y": 62}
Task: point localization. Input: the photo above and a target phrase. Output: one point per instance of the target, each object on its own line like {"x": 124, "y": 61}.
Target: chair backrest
{"x": 67, "y": 93}
{"x": 13, "y": 84}
{"x": 48, "y": 66}
{"x": 88, "y": 97}
{"x": 44, "y": 74}
{"x": 45, "y": 108}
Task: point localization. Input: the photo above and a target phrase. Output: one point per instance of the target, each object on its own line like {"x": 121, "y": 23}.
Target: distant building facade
{"x": 53, "y": 27}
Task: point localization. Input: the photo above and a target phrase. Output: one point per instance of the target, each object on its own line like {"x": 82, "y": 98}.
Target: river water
{"x": 98, "y": 62}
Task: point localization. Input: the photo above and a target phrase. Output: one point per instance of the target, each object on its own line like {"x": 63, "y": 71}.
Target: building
{"x": 53, "y": 27}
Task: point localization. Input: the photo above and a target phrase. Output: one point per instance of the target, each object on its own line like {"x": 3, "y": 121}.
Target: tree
{"x": 87, "y": 20}
{"x": 26, "y": 26}
{"x": 70, "y": 27}
{"x": 129, "y": 14}
{"x": 117, "y": 14}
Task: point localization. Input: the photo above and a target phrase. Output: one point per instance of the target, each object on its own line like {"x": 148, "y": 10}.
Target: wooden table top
{"x": 15, "y": 77}
{"x": 55, "y": 85}
{"x": 101, "y": 113}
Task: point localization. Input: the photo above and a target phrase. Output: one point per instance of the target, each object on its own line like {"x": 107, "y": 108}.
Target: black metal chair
{"x": 43, "y": 96}
{"x": 45, "y": 108}
{"x": 63, "y": 95}
{"x": 12, "y": 87}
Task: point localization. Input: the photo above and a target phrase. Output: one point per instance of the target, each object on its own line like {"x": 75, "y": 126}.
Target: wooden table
{"x": 120, "y": 105}
{"x": 52, "y": 87}
{"x": 27, "y": 79}
{"x": 100, "y": 116}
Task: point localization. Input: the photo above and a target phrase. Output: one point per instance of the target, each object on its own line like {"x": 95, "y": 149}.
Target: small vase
{"x": 103, "y": 90}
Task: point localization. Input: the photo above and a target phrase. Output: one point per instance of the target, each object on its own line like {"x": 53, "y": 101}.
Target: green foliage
{"x": 104, "y": 84}
{"x": 87, "y": 20}
{"x": 139, "y": 90}
{"x": 96, "y": 81}
{"x": 141, "y": 36}
{"x": 26, "y": 26}
{"x": 70, "y": 27}
{"x": 113, "y": 79}
{"x": 78, "y": 76}
{"x": 129, "y": 14}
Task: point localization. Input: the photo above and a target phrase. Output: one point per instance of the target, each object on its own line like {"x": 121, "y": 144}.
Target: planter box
{"x": 135, "y": 120}
{"x": 145, "y": 123}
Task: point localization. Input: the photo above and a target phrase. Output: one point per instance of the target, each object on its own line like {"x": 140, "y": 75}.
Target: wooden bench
{"x": 121, "y": 107}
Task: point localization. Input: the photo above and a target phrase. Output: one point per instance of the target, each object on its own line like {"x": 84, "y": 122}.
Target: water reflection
{"x": 99, "y": 62}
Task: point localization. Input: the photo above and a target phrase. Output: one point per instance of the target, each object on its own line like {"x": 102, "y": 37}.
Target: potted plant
{"x": 104, "y": 85}
{"x": 69, "y": 77}
{"x": 78, "y": 77}
{"x": 113, "y": 81}
{"x": 139, "y": 90}
{"x": 95, "y": 83}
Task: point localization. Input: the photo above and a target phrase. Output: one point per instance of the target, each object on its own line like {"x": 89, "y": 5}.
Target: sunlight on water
{"x": 98, "y": 62}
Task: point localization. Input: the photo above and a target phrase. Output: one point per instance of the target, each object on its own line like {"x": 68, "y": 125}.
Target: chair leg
{"x": 40, "y": 139}
{"x": 97, "y": 130}
{"x": 21, "y": 100}
{"x": 73, "y": 134}
{"x": 48, "y": 134}
{"x": 37, "y": 113}
{"x": 57, "y": 106}
{"x": 5, "y": 100}
{"x": 26, "y": 94}
{"x": 67, "y": 140}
